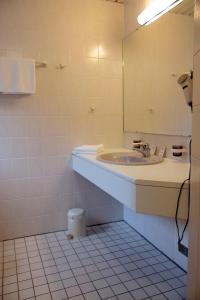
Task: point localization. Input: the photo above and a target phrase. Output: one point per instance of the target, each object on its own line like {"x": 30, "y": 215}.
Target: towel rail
{"x": 41, "y": 64}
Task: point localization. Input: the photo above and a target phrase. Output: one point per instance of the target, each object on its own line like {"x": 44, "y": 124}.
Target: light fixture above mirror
{"x": 155, "y": 10}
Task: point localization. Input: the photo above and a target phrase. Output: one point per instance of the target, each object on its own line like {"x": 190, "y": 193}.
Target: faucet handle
{"x": 137, "y": 144}
{"x": 145, "y": 149}
{"x": 145, "y": 146}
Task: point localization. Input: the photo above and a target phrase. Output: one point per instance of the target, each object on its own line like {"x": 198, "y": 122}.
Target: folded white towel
{"x": 89, "y": 149}
{"x": 17, "y": 75}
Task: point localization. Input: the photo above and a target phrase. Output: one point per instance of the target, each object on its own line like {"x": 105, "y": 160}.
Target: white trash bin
{"x": 76, "y": 222}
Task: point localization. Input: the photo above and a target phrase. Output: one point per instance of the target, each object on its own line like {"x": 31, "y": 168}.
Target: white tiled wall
{"x": 159, "y": 141}
{"x": 38, "y": 132}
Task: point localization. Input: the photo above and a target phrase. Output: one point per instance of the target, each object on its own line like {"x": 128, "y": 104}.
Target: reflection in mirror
{"x": 154, "y": 57}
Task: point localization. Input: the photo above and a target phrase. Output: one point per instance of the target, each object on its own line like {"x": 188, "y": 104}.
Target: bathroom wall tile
{"x": 48, "y": 146}
{"x": 100, "y": 215}
{"x": 98, "y": 197}
{"x": 117, "y": 210}
{"x": 48, "y": 105}
{"x": 6, "y": 169}
{"x": 33, "y": 146}
{"x": 64, "y": 203}
{"x": 29, "y": 207}
{"x": 20, "y": 167}
{"x": 18, "y": 126}
{"x": 28, "y": 105}
{"x": 38, "y": 132}
{"x": 54, "y": 165}
{"x": 159, "y": 141}
{"x": 110, "y": 68}
{"x": 7, "y": 211}
{"x": 8, "y": 189}
{"x": 4, "y": 127}
{"x": 110, "y": 48}
{"x": 35, "y": 167}
{"x": 54, "y": 126}
{"x": 5, "y": 148}
{"x": 18, "y": 147}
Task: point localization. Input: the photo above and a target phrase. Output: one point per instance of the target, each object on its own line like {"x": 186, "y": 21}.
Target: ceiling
{"x": 117, "y": 1}
{"x": 184, "y": 8}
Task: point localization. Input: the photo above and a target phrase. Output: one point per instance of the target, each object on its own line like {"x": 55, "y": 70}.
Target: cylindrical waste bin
{"x": 76, "y": 222}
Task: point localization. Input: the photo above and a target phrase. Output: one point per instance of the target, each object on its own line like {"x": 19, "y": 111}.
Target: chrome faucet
{"x": 143, "y": 148}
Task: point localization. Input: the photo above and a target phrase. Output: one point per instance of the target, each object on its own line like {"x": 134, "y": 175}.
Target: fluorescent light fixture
{"x": 155, "y": 10}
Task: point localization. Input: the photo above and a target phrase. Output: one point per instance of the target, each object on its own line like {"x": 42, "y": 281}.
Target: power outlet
{"x": 183, "y": 249}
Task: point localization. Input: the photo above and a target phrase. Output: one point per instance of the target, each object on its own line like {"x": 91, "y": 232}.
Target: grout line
{"x": 156, "y": 247}
{"x": 51, "y": 232}
{"x": 69, "y": 267}
{"x": 29, "y": 266}
{"x": 2, "y": 268}
{"x": 196, "y": 52}
{"x": 164, "y": 280}
{"x": 85, "y": 273}
{"x": 144, "y": 275}
{"x": 112, "y": 236}
{"x": 16, "y": 269}
{"x": 42, "y": 265}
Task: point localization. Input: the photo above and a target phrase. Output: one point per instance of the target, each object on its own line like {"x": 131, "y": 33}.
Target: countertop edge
{"x": 139, "y": 182}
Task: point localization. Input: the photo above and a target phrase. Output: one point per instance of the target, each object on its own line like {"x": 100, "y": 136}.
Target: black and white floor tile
{"x": 114, "y": 262}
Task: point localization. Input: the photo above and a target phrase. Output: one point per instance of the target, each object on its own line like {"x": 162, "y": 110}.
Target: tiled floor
{"x": 113, "y": 262}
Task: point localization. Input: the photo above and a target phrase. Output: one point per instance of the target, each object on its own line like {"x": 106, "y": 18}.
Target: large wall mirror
{"x": 154, "y": 57}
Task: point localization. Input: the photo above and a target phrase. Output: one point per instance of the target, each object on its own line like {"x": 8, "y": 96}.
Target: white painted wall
{"x": 194, "y": 228}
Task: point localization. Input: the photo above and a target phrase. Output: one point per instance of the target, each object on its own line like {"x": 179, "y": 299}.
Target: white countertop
{"x": 169, "y": 173}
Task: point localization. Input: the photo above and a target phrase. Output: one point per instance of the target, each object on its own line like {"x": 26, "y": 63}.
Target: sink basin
{"x": 128, "y": 158}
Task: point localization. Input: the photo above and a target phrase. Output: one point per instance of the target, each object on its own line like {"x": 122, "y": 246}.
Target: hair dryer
{"x": 186, "y": 81}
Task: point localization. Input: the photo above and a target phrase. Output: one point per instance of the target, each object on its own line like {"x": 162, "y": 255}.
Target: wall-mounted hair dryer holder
{"x": 186, "y": 82}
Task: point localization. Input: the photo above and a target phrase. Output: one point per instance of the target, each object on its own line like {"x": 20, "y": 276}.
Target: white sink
{"x": 128, "y": 158}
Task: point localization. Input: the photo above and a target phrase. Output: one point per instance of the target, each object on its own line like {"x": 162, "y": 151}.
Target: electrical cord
{"x": 180, "y": 236}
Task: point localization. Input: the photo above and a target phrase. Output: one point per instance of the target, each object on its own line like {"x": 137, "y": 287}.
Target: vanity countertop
{"x": 148, "y": 189}
{"x": 169, "y": 173}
